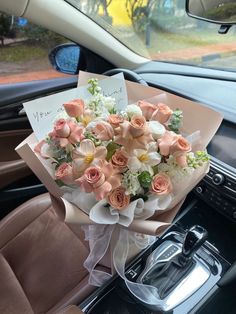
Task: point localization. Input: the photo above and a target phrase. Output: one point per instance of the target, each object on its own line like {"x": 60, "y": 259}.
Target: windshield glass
{"x": 161, "y": 30}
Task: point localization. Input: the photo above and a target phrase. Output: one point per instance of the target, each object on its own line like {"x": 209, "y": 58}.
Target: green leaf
{"x": 60, "y": 183}
{"x": 111, "y": 149}
{"x": 145, "y": 179}
{"x": 176, "y": 121}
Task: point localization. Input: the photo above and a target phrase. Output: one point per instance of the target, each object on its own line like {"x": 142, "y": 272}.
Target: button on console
{"x": 218, "y": 179}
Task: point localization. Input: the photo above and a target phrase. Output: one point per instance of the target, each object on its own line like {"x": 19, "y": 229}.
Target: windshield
{"x": 161, "y": 30}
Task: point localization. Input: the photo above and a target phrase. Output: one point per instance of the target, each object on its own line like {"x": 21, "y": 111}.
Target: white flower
{"x": 175, "y": 172}
{"x": 144, "y": 160}
{"x": 109, "y": 103}
{"x": 133, "y": 110}
{"x": 157, "y": 129}
{"x": 96, "y": 104}
{"x": 131, "y": 183}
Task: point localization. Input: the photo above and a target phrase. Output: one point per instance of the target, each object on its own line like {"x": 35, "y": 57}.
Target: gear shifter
{"x": 193, "y": 240}
{"x": 167, "y": 275}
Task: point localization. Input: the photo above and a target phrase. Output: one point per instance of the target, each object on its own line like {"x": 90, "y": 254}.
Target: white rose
{"x": 133, "y": 110}
{"x": 156, "y": 128}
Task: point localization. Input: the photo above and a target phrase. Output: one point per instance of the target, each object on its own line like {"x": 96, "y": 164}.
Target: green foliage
{"x": 22, "y": 53}
{"x": 5, "y": 26}
{"x": 111, "y": 149}
{"x": 145, "y": 179}
{"x": 139, "y": 11}
{"x": 176, "y": 120}
{"x": 94, "y": 89}
{"x": 225, "y": 12}
{"x": 46, "y": 38}
{"x": 198, "y": 159}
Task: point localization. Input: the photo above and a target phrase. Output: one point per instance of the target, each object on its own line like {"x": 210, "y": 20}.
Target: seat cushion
{"x": 47, "y": 259}
{"x": 12, "y": 296}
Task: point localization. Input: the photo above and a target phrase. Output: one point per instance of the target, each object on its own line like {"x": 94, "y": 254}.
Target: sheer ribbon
{"x": 100, "y": 237}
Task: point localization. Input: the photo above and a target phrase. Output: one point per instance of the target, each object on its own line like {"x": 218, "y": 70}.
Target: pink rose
{"x": 76, "y": 132}
{"x": 115, "y": 120}
{"x": 64, "y": 173}
{"x": 137, "y": 126}
{"x": 161, "y": 184}
{"x": 94, "y": 181}
{"x": 181, "y": 158}
{"x": 94, "y": 176}
{"x": 162, "y": 114}
{"x": 61, "y": 128}
{"x": 74, "y": 108}
{"x": 147, "y": 108}
{"x": 181, "y": 144}
{"x": 103, "y": 131}
{"x": 118, "y": 199}
{"x": 67, "y": 132}
{"x": 120, "y": 160}
{"x": 166, "y": 141}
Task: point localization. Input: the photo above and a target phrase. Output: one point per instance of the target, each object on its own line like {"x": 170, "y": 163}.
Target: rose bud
{"x": 74, "y": 108}
{"x": 64, "y": 173}
{"x": 137, "y": 126}
{"x": 162, "y": 114}
{"x": 61, "y": 128}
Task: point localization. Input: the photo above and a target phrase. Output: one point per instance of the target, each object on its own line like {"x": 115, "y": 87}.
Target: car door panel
{"x": 12, "y": 167}
{"x": 17, "y": 182}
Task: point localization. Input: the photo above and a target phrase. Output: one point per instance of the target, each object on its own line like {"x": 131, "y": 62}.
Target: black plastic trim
{"x": 14, "y": 93}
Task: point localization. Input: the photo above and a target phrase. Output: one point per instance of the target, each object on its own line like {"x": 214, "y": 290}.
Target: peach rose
{"x": 161, "y": 184}
{"x": 67, "y": 132}
{"x": 147, "y": 108}
{"x": 103, "y": 131}
{"x": 115, "y": 120}
{"x": 120, "y": 160}
{"x": 162, "y": 114}
{"x": 181, "y": 144}
{"x": 118, "y": 199}
{"x": 64, "y": 173}
{"x": 74, "y": 108}
{"x": 94, "y": 176}
{"x": 61, "y": 128}
{"x": 181, "y": 158}
{"x": 137, "y": 126}
{"x": 166, "y": 141}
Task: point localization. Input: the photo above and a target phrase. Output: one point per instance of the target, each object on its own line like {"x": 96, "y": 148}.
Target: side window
{"x": 24, "y": 49}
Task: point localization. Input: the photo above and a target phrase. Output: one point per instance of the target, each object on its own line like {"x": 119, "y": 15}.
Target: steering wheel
{"x": 128, "y": 74}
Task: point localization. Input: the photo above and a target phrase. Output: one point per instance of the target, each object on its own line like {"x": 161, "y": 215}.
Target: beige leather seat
{"x": 41, "y": 261}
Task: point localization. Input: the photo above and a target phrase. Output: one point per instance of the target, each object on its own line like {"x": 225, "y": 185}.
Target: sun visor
{"x": 13, "y": 7}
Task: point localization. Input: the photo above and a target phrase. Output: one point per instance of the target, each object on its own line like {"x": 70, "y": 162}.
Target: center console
{"x": 183, "y": 264}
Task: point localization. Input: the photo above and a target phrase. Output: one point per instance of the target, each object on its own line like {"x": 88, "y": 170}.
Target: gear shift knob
{"x": 194, "y": 238}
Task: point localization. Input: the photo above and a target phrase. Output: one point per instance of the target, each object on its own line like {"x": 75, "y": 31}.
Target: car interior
{"x": 41, "y": 256}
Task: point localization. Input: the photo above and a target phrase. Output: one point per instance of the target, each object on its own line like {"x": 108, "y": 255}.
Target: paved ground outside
{"x": 188, "y": 54}
{"x": 31, "y": 76}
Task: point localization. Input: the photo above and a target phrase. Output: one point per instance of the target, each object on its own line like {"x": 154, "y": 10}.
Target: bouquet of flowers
{"x": 120, "y": 157}
{"x": 118, "y": 170}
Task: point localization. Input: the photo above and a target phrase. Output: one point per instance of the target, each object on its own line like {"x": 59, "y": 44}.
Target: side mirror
{"x": 67, "y": 58}
{"x": 216, "y": 11}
